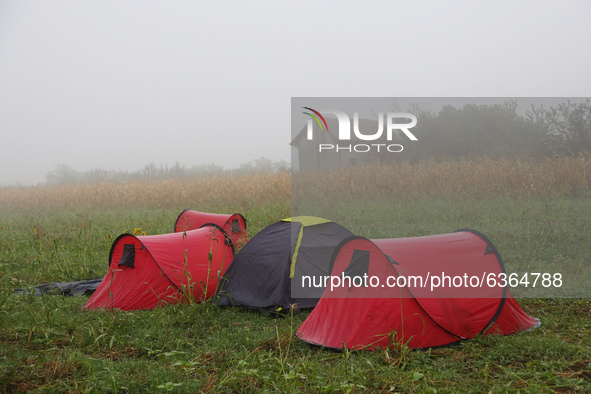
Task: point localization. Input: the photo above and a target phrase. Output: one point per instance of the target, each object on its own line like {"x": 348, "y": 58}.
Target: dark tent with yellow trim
{"x": 262, "y": 273}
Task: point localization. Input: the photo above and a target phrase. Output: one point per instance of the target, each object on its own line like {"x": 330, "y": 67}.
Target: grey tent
{"x": 267, "y": 272}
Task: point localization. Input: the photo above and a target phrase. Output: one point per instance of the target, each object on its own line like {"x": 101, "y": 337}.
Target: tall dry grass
{"x": 522, "y": 177}
{"x": 519, "y": 177}
{"x": 240, "y": 191}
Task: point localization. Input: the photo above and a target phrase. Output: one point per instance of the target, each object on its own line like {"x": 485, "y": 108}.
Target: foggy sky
{"x": 120, "y": 84}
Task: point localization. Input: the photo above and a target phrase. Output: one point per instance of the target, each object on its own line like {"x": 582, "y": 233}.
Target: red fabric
{"x": 458, "y": 256}
{"x": 165, "y": 267}
{"x": 190, "y": 220}
{"x": 358, "y": 316}
{"x": 512, "y": 319}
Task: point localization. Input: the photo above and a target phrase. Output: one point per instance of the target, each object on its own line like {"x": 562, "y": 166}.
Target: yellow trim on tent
{"x": 305, "y": 221}
{"x": 294, "y": 258}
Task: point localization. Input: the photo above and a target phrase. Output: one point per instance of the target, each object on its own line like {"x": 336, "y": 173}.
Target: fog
{"x": 120, "y": 84}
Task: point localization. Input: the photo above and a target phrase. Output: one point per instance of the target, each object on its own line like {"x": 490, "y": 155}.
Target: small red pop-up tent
{"x": 423, "y": 292}
{"x": 234, "y": 225}
{"x": 152, "y": 270}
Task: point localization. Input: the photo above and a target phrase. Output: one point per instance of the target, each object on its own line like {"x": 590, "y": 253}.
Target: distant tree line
{"x": 64, "y": 174}
{"x": 567, "y": 128}
{"x": 498, "y": 130}
{"x": 493, "y": 131}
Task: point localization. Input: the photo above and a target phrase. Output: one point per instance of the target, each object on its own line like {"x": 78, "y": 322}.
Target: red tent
{"x": 403, "y": 299}
{"x": 148, "y": 271}
{"x": 234, "y": 225}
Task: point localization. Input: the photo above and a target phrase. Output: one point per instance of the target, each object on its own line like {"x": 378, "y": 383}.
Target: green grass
{"x": 536, "y": 234}
{"x": 50, "y": 344}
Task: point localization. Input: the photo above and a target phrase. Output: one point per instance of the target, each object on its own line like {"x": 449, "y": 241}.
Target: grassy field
{"x": 50, "y": 344}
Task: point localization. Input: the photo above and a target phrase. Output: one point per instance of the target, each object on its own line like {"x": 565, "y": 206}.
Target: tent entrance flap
{"x": 128, "y": 256}
{"x": 359, "y": 264}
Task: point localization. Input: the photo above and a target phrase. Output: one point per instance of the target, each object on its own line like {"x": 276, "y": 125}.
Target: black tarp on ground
{"x": 81, "y": 287}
